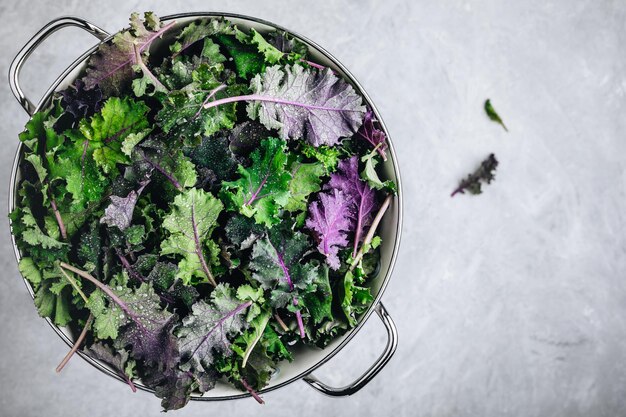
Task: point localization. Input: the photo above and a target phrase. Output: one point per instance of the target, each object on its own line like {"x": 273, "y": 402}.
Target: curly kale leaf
{"x": 305, "y": 180}
{"x": 190, "y": 222}
{"x": 80, "y": 102}
{"x": 118, "y": 360}
{"x": 276, "y": 265}
{"x": 360, "y": 195}
{"x": 206, "y": 331}
{"x": 214, "y": 154}
{"x": 112, "y": 67}
{"x": 370, "y": 133}
{"x": 370, "y": 175}
{"x": 305, "y": 103}
{"x": 264, "y": 186}
{"x": 485, "y": 173}
{"x": 184, "y": 114}
{"x": 106, "y": 135}
{"x": 120, "y": 212}
{"x": 331, "y": 219}
{"x": 197, "y": 31}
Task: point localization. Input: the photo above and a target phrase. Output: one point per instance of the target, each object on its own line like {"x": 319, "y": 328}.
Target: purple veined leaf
{"x": 190, "y": 222}
{"x": 148, "y": 327}
{"x": 359, "y": 193}
{"x": 280, "y": 262}
{"x": 113, "y": 65}
{"x": 331, "y": 219}
{"x": 120, "y": 212}
{"x": 373, "y": 135}
{"x": 302, "y": 102}
{"x": 206, "y": 330}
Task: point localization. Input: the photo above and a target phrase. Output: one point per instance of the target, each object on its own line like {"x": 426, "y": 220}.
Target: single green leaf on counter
{"x": 493, "y": 115}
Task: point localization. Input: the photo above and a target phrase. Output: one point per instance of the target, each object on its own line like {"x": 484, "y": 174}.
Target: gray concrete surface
{"x": 511, "y": 303}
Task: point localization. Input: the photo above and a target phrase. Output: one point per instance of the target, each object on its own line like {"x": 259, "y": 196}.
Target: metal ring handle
{"x": 363, "y": 380}
{"x": 29, "y": 48}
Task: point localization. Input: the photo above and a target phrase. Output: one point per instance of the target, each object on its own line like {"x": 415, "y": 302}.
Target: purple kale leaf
{"x": 149, "y": 329}
{"x": 81, "y": 102}
{"x": 120, "y": 212}
{"x": 331, "y": 219}
{"x": 118, "y": 360}
{"x": 360, "y": 195}
{"x": 206, "y": 331}
{"x": 112, "y": 67}
{"x": 306, "y": 103}
{"x": 302, "y": 103}
{"x": 176, "y": 387}
{"x": 373, "y": 135}
{"x": 277, "y": 267}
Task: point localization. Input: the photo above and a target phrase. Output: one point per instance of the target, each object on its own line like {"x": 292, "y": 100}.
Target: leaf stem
{"x": 258, "y": 97}
{"x": 146, "y": 71}
{"x": 254, "y": 342}
{"x": 76, "y": 345}
{"x": 251, "y": 391}
{"x": 128, "y": 266}
{"x": 108, "y": 291}
{"x": 58, "y": 218}
{"x": 372, "y": 230}
{"x": 281, "y": 322}
{"x": 75, "y": 285}
{"x": 199, "y": 253}
{"x": 171, "y": 179}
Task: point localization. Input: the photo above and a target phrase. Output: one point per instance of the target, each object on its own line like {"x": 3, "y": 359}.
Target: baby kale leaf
{"x": 361, "y": 196}
{"x": 485, "y": 173}
{"x": 301, "y": 102}
{"x": 264, "y": 186}
{"x": 305, "y": 180}
{"x": 207, "y": 329}
{"x": 190, "y": 222}
{"x": 111, "y": 67}
{"x": 331, "y": 219}
{"x": 493, "y": 115}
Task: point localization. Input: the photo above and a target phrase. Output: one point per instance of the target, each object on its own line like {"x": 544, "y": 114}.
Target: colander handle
{"x": 363, "y": 380}
{"x": 29, "y": 48}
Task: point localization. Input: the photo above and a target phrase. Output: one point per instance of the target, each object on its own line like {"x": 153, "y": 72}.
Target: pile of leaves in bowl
{"x": 199, "y": 202}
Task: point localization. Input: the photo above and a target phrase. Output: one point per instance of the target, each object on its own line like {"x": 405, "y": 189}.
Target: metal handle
{"x": 363, "y": 380}
{"x": 29, "y": 48}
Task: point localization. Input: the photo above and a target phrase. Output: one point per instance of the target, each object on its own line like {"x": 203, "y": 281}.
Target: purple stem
{"x": 134, "y": 274}
{"x": 313, "y": 64}
{"x": 128, "y": 267}
{"x": 220, "y": 322}
{"x": 281, "y": 262}
{"x": 199, "y": 253}
{"x": 257, "y": 97}
{"x": 76, "y": 345}
{"x": 141, "y": 49}
{"x": 58, "y": 218}
{"x": 251, "y": 391}
{"x": 258, "y": 190}
{"x": 357, "y": 235}
{"x": 147, "y": 71}
{"x": 206, "y": 100}
{"x": 105, "y": 289}
{"x": 171, "y": 179}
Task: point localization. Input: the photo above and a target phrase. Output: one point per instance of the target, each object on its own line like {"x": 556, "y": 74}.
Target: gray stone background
{"x": 508, "y": 304}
